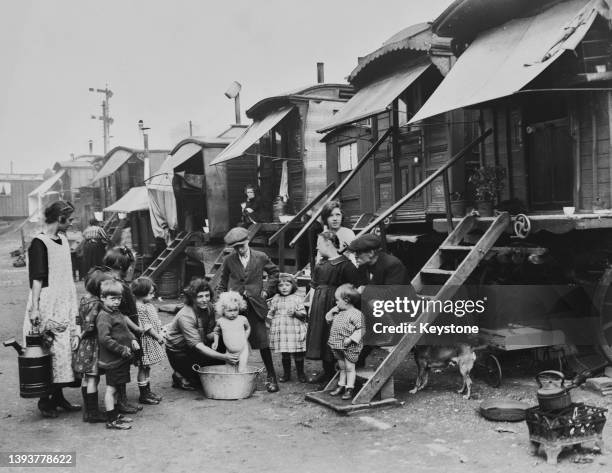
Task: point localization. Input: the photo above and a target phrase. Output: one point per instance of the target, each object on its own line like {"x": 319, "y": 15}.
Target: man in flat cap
{"x": 383, "y": 270}
{"x": 242, "y": 271}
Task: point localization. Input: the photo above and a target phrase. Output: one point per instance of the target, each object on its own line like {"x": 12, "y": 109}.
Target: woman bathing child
{"x": 232, "y": 327}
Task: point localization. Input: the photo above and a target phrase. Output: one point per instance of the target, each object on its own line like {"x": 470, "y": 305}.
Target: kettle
{"x": 34, "y": 365}
{"x": 553, "y": 395}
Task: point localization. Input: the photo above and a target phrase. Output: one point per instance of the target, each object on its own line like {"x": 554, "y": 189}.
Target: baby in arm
{"x": 233, "y": 327}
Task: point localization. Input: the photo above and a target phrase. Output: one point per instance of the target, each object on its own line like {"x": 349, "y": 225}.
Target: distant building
{"x": 14, "y": 190}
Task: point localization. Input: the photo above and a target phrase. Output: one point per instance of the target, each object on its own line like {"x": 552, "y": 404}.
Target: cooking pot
{"x": 553, "y": 395}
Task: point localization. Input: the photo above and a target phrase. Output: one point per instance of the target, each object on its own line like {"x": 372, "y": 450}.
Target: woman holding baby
{"x": 189, "y": 335}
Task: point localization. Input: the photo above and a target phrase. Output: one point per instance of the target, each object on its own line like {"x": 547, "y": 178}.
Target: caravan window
{"x": 347, "y": 157}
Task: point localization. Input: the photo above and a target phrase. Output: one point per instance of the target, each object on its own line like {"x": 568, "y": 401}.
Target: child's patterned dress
{"x": 287, "y": 332}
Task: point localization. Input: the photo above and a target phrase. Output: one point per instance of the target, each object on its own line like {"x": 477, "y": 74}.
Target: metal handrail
{"x": 301, "y": 213}
{"x": 343, "y": 184}
{"x": 426, "y": 182}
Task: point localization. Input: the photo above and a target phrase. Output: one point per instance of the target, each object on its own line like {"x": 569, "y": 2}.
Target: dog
{"x": 438, "y": 357}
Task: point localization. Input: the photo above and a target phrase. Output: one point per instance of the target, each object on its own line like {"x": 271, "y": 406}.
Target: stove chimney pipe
{"x": 320, "y": 72}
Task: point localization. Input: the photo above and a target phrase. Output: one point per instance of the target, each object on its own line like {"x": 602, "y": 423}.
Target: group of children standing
{"x": 111, "y": 341}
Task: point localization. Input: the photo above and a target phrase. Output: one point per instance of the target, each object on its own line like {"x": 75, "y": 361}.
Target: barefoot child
{"x": 117, "y": 346}
{"x": 85, "y": 360}
{"x": 288, "y": 326}
{"x": 151, "y": 340}
{"x": 345, "y": 337}
{"x": 233, "y": 327}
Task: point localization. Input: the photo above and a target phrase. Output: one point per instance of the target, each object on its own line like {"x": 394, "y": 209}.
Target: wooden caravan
{"x": 77, "y": 187}
{"x": 14, "y": 190}
{"x": 391, "y": 84}
{"x": 535, "y": 79}
{"x": 287, "y": 161}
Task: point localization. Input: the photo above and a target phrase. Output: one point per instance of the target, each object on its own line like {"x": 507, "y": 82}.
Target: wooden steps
{"x": 164, "y": 259}
{"x": 378, "y": 387}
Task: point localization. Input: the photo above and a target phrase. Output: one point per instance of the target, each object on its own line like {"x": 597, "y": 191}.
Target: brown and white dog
{"x": 428, "y": 357}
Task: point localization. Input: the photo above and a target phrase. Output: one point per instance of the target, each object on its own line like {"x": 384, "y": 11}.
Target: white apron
{"x": 58, "y": 307}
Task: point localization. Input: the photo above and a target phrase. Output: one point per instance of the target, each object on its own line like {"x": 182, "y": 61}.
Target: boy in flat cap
{"x": 242, "y": 271}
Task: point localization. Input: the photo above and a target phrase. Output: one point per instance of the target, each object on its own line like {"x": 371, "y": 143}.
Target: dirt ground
{"x": 434, "y": 430}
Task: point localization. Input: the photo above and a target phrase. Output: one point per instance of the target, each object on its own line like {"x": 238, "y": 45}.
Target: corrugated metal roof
{"x": 503, "y": 60}
{"x": 415, "y": 37}
{"x": 21, "y": 177}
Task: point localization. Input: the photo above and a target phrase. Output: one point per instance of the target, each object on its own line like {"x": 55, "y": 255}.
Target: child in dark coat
{"x": 117, "y": 347}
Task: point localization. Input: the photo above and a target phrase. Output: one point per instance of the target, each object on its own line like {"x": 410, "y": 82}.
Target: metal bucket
{"x": 224, "y": 382}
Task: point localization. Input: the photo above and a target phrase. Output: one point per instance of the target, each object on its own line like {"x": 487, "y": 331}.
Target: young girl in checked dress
{"x": 288, "y": 326}
{"x": 345, "y": 337}
{"x": 151, "y": 339}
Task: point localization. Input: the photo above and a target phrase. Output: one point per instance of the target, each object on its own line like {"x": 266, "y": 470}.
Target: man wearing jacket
{"x": 242, "y": 271}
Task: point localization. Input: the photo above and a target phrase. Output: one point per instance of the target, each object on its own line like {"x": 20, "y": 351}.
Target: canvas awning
{"x": 376, "y": 97}
{"x": 503, "y": 60}
{"x": 118, "y": 158}
{"x": 36, "y": 198}
{"x": 135, "y": 199}
{"x": 257, "y": 129}
{"x": 183, "y": 154}
{"x": 162, "y": 202}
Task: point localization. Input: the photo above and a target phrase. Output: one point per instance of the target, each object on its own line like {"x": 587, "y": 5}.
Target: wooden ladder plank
{"x": 408, "y": 341}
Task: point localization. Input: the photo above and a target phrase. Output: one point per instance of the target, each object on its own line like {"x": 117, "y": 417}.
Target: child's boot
{"x": 299, "y": 367}
{"x": 348, "y": 394}
{"x": 152, "y": 394}
{"x": 145, "y": 397}
{"x": 113, "y": 423}
{"x": 123, "y": 407}
{"x": 93, "y": 411}
{"x": 286, "y": 368}
{"x": 339, "y": 390}
{"x": 86, "y": 408}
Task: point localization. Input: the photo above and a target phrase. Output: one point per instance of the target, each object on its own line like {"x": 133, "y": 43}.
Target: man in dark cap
{"x": 242, "y": 271}
{"x": 383, "y": 270}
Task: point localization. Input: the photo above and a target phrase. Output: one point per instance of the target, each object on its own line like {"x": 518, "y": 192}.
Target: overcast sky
{"x": 168, "y": 62}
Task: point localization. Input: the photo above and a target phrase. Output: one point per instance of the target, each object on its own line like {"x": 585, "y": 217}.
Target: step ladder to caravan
{"x": 433, "y": 282}
{"x": 215, "y": 272}
{"x": 166, "y": 257}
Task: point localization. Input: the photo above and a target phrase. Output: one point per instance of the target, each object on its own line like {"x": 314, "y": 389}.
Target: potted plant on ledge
{"x": 458, "y": 204}
{"x": 488, "y": 182}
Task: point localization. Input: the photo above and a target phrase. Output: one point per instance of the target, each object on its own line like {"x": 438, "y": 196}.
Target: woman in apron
{"x": 52, "y": 303}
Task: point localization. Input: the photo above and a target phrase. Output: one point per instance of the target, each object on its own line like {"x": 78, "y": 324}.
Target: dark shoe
{"x": 318, "y": 379}
{"x": 123, "y": 419}
{"x": 61, "y": 402}
{"x": 117, "y": 425}
{"x": 126, "y": 408}
{"x": 47, "y": 408}
{"x": 299, "y": 368}
{"x": 272, "y": 385}
{"x": 145, "y": 396}
{"x": 348, "y": 394}
{"x": 284, "y": 378}
{"x": 152, "y": 394}
{"x": 184, "y": 385}
{"x": 93, "y": 411}
{"x": 301, "y": 377}
{"x": 338, "y": 390}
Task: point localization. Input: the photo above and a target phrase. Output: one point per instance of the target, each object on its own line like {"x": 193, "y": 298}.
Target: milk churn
{"x": 34, "y": 365}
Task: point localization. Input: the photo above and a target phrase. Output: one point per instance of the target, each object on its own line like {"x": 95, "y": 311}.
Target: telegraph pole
{"x": 106, "y": 118}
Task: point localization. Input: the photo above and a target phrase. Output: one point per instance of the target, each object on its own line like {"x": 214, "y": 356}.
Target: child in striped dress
{"x": 151, "y": 339}
{"x": 345, "y": 337}
{"x": 288, "y": 326}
